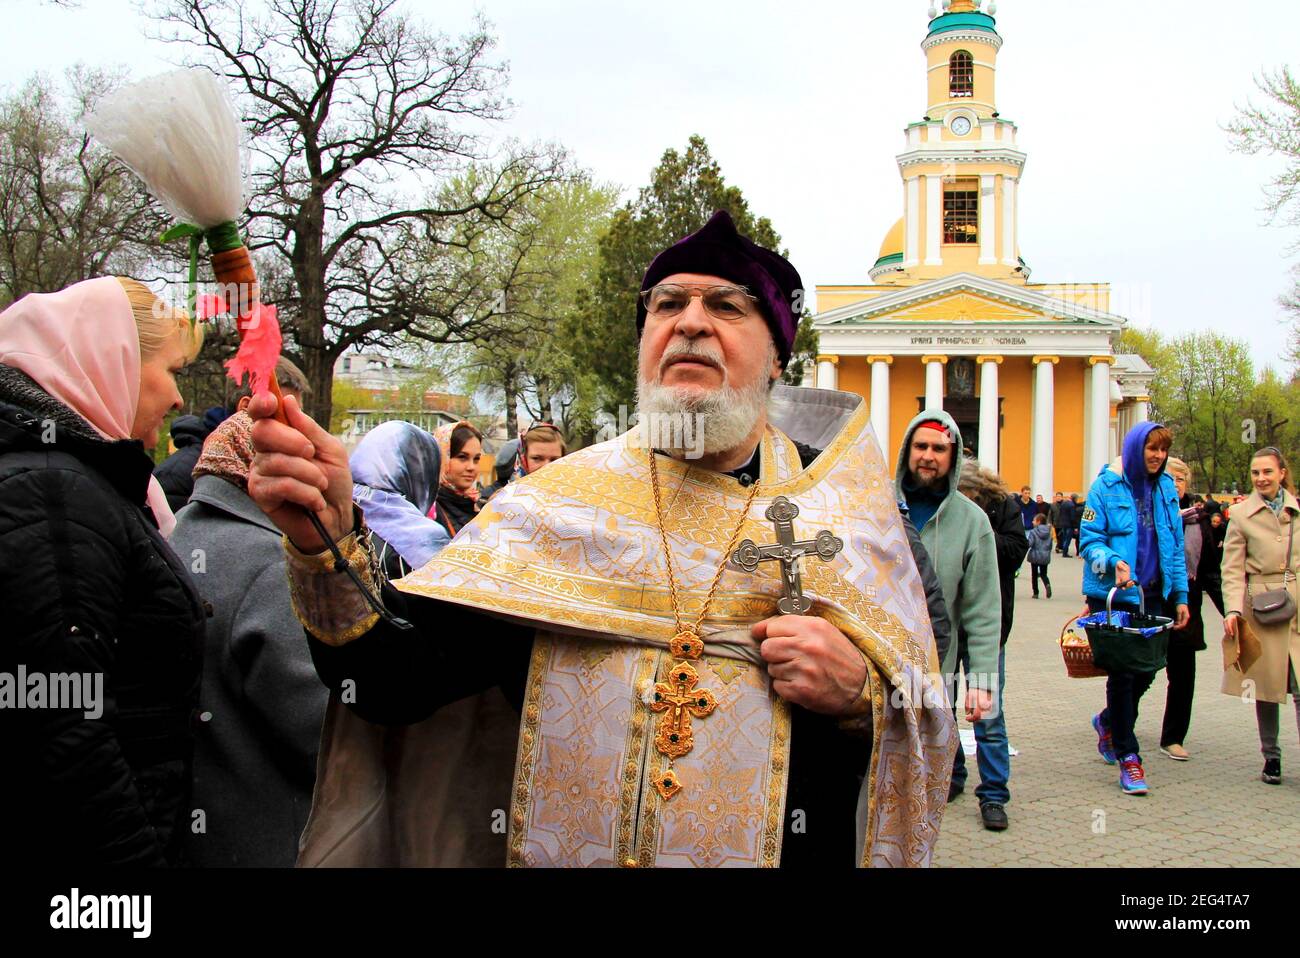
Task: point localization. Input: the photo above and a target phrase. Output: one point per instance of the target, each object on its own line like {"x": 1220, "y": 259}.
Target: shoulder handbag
{"x": 1276, "y": 606}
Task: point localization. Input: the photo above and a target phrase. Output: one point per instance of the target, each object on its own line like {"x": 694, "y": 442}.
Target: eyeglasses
{"x": 730, "y": 303}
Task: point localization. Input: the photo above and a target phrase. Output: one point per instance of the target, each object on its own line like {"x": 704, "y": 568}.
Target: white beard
{"x": 684, "y": 424}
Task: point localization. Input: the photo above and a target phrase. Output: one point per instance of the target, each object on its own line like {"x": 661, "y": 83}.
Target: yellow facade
{"x": 948, "y": 284}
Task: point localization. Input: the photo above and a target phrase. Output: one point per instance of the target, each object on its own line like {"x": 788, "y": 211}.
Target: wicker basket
{"x": 1077, "y": 652}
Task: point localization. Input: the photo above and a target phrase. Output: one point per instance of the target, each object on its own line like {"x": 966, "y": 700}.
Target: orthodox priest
{"x": 615, "y": 664}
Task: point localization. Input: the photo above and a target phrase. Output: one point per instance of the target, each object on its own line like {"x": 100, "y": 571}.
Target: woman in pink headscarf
{"x": 103, "y": 628}
{"x": 458, "y": 500}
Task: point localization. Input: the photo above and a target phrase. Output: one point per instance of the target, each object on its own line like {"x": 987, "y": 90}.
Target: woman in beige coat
{"x": 1255, "y": 560}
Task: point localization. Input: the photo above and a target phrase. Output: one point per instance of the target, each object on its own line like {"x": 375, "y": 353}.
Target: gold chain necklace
{"x": 678, "y": 698}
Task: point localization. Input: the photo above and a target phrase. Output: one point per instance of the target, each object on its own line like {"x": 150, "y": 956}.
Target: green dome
{"x": 962, "y": 21}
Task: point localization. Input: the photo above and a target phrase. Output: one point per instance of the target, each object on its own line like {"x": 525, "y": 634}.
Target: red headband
{"x": 936, "y": 425}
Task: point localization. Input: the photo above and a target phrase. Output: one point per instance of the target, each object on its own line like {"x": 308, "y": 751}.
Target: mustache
{"x": 689, "y": 350}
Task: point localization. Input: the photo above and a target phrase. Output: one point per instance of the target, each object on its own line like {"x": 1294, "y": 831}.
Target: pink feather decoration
{"x": 259, "y": 349}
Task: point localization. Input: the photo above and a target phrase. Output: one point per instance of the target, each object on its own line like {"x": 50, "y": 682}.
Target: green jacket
{"x": 964, "y": 553}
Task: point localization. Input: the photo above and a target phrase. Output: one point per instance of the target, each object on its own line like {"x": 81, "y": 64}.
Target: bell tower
{"x": 961, "y": 165}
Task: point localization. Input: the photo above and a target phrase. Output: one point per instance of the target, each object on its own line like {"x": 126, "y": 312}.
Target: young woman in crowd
{"x": 458, "y": 498}
{"x": 1260, "y": 555}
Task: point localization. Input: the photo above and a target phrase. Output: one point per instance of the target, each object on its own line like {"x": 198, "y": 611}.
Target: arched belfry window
{"x": 961, "y": 74}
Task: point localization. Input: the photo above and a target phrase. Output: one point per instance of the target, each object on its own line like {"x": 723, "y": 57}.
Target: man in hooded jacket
{"x": 959, "y": 540}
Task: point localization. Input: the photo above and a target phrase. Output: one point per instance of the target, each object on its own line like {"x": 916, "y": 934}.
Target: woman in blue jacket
{"x": 1132, "y": 536}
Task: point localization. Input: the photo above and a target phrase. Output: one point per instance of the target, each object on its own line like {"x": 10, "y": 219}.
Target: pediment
{"x": 964, "y": 307}
{"x": 965, "y": 297}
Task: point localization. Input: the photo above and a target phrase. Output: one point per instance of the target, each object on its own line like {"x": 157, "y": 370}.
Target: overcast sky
{"x": 1119, "y": 104}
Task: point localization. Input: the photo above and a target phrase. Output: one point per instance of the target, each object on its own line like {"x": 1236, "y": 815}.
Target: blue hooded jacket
{"x": 1134, "y": 517}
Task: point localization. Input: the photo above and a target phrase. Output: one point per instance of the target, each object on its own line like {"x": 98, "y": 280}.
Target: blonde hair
{"x": 155, "y": 321}
{"x": 1175, "y": 465}
{"x": 544, "y": 432}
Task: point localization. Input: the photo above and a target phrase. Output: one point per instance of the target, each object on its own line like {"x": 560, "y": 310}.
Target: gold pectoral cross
{"x": 679, "y": 701}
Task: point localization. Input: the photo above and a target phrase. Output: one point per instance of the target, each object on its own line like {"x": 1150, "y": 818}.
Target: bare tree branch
{"x": 360, "y": 117}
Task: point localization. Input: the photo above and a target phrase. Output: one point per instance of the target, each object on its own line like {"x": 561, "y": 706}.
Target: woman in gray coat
{"x": 261, "y": 704}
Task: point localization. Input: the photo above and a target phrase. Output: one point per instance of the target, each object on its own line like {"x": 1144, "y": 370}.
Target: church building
{"x": 950, "y": 318}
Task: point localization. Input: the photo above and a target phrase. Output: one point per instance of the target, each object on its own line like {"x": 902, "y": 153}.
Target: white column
{"x": 1009, "y": 257}
{"x": 1043, "y": 448}
{"x": 1141, "y": 410}
{"x": 1097, "y": 443}
{"x": 933, "y": 381}
{"x": 880, "y": 401}
{"x": 809, "y": 380}
{"x": 912, "y": 232}
{"x": 826, "y": 377}
{"x": 989, "y": 411}
{"x": 988, "y": 211}
{"x": 1122, "y": 422}
{"x": 933, "y": 220}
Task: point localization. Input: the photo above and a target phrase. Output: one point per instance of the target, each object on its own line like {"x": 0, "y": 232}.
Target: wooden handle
{"x": 234, "y": 274}
{"x": 236, "y": 278}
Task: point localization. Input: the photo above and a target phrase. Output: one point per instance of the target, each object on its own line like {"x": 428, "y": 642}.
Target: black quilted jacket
{"x": 88, "y": 585}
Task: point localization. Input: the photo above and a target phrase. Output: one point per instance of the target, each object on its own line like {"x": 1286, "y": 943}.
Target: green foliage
{"x": 1207, "y": 386}
{"x": 1207, "y": 391}
{"x": 1273, "y": 416}
{"x": 345, "y": 396}
{"x": 544, "y": 279}
{"x": 804, "y": 354}
{"x": 1151, "y": 346}
{"x": 685, "y": 189}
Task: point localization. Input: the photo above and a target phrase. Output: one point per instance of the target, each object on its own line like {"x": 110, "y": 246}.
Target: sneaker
{"x": 1104, "y": 743}
{"x": 994, "y": 817}
{"x": 1132, "y": 779}
{"x": 954, "y": 790}
{"x": 1272, "y": 773}
{"x": 1176, "y": 752}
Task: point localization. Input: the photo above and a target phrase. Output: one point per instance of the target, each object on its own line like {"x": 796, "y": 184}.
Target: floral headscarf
{"x": 443, "y": 435}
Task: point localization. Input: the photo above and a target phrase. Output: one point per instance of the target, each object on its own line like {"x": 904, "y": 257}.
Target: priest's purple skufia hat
{"x": 718, "y": 249}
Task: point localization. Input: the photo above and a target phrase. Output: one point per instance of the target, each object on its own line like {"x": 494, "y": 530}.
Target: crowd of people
{"x": 172, "y": 581}
{"x": 187, "y": 587}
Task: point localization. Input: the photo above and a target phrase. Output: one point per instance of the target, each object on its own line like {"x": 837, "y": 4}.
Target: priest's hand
{"x": 811, "y": 663}
{"x": 299, "y": 466}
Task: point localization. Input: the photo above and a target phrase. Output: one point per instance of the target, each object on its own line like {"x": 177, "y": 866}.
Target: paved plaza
{"x": 1066, "y": 807}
